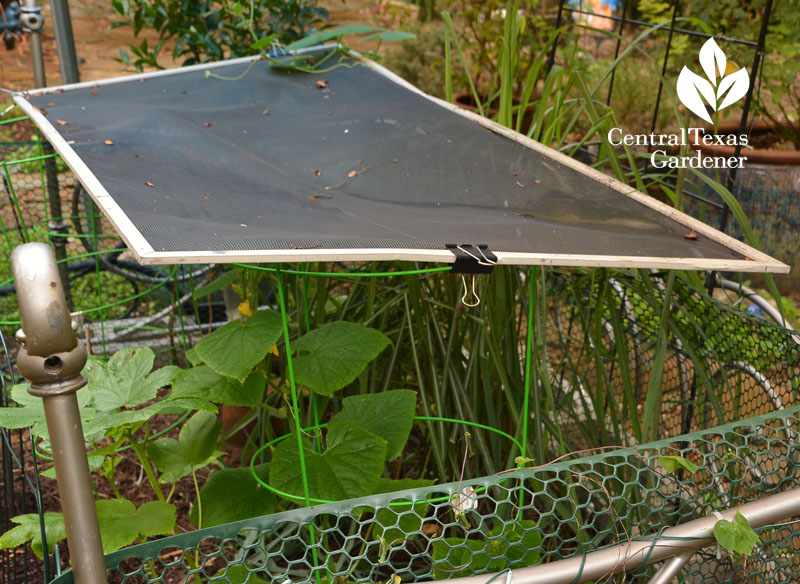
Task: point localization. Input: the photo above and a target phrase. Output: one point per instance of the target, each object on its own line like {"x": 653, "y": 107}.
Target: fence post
{"x": 52, "y": 359}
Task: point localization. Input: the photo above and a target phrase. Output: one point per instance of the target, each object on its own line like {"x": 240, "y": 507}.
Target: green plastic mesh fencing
{"x": 504, "y": 521}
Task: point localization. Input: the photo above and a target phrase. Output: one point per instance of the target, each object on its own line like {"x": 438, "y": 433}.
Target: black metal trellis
{"x": 755, "y": 79}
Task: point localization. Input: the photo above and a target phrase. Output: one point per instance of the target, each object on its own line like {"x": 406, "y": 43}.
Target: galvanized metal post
{"x": 32, "y": 21}
{"x": 65, "y": 42}
{"x": 52, "y": 359}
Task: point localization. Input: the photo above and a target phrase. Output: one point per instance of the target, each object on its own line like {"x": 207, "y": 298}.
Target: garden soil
{"x": 97, "y": 44}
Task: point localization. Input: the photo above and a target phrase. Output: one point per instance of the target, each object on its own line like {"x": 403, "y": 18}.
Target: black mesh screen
{"x": 279, "y": 159}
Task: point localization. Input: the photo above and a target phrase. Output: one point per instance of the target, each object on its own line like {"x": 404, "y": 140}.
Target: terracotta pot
{"x": 231, "y": 416}
{"x": 754, "y": 155}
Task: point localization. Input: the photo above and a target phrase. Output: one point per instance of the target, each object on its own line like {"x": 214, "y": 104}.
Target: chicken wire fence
{"x": 722, "y": 362}
{"x": 25, "y": 212}
{"x": 506, "y": 521}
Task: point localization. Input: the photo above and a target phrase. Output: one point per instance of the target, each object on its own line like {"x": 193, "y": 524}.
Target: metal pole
{"x": 664, "y": 68}
{"x": 730, "y": 182}
{"x": 674, "y": 541}
{"x": 65, "y": 42}
{"x": 671, "y": 568}
{"x": 52, "y": 359}
{"x": 32, "y": 21}
{"x": 616, "y": 51}
{"x": 551, "y": 59}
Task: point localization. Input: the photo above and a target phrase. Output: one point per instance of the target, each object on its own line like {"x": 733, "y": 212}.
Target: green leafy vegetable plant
{"x": 115, "y": 407}
{"x": 736, "y": 536}
{"x": 369, "y": 430}
{"x": 332, "y": 356}
{"x": 121, "y": 524}
{"x": 231, "y": 366}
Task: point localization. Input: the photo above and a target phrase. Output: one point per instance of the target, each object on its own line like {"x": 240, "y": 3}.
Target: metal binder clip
{"x": 472, "y": 259}
{"x": 466, "y": 293}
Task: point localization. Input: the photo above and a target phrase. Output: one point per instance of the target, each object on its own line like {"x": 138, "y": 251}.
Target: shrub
{"x": 209, "y": 30}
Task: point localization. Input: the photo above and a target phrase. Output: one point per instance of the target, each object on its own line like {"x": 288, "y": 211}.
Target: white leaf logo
{"x": 739, "y": 83}
{"x": 695, "y": 91}
{"x": 712, "y": 60}
{"x": 690, "y": 87}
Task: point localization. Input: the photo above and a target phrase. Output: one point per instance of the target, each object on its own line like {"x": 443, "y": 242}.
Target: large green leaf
{"x": 389, "y": 414}
{"x": 232, "y": 494}
{"x": 335, "y": 354}
{"x": 14, "y": 418}
{"x": 121, "y": 523}
{"x": 737, "y": 535}
{"x": 514, "y": 545}
{"x": 234, "y": 349}
{"x": 350, "y": 466}
{"x": 194, "y": 448}
{"x": 96, "y": 423}
{"x": 204, "y": 383}
{"x": 31, "y": 412}
{"x": 28, "y": 529}
{"x": 125, "y": 380}
{"x": 105, "y": 422}
{"x": 192, "y": 357}
{"x": 20, "y": 395}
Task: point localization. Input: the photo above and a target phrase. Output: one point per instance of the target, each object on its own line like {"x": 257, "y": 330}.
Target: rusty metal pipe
{"x": 52, "y": 359}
